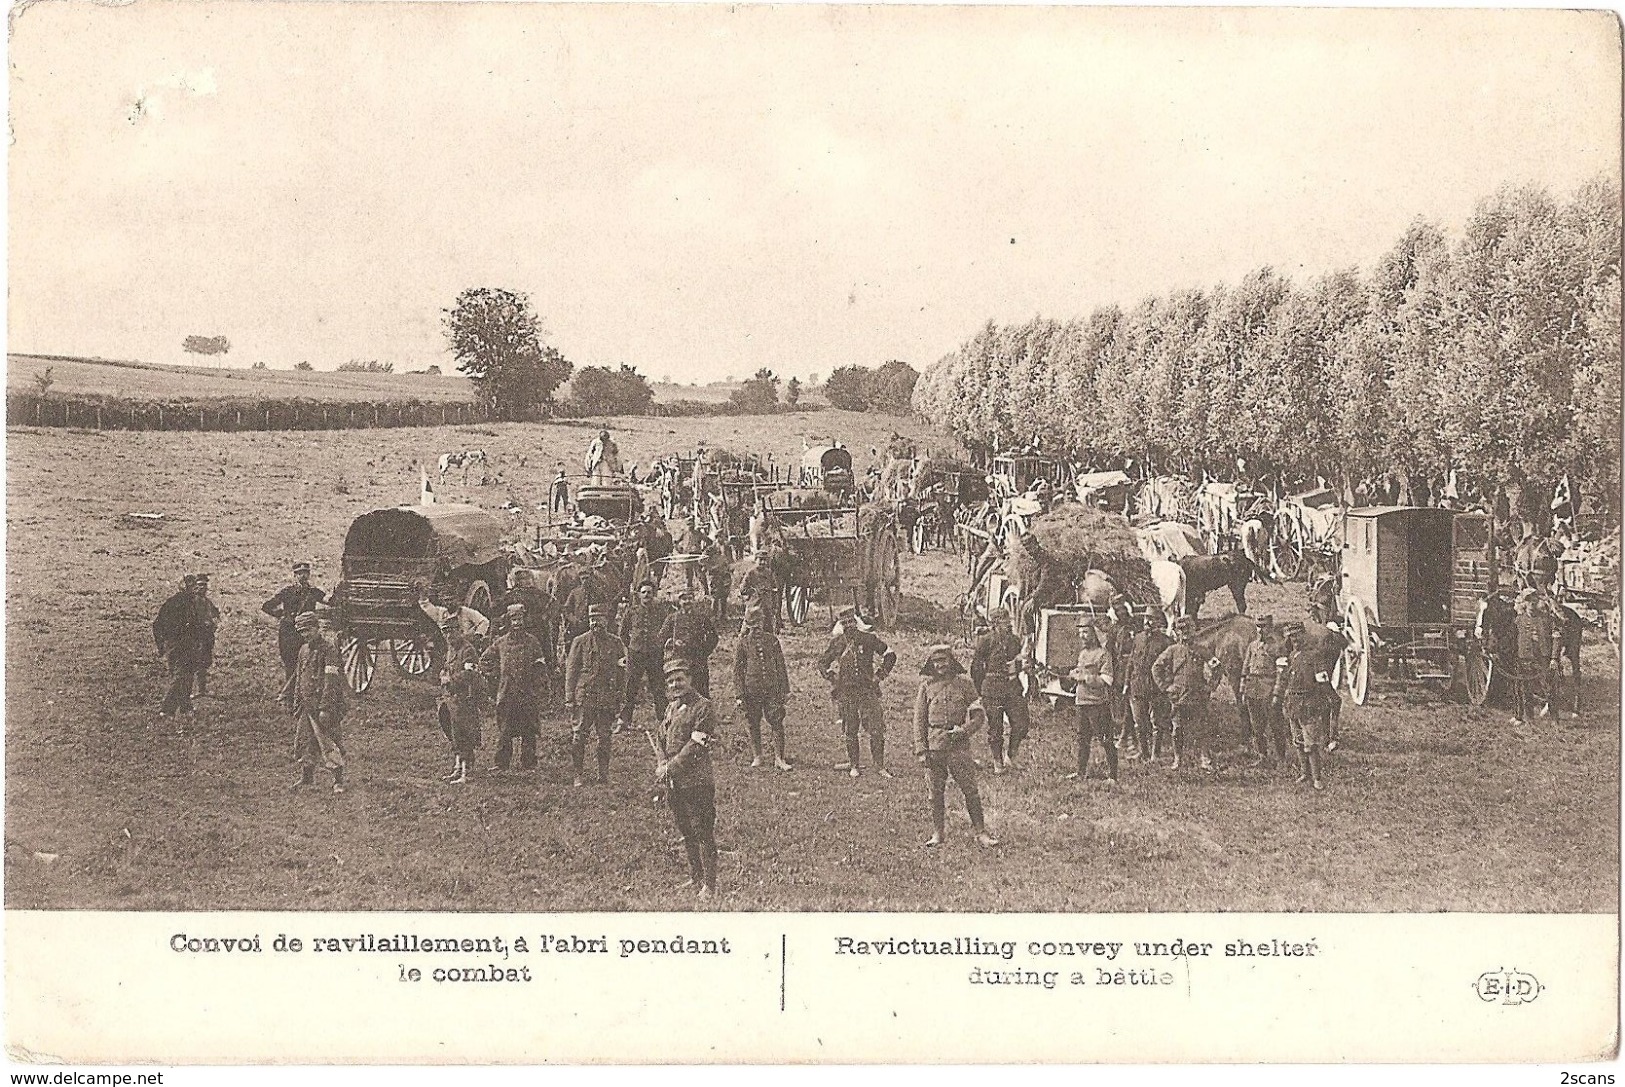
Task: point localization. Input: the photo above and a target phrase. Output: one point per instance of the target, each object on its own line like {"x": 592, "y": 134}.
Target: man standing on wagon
{"x": 515, "y": 666}
{"x": 288, "y": 604}
{"x": 849, "y": 665}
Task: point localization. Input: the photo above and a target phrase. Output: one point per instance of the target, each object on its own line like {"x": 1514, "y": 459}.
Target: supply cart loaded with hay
{"x": 941, "y": 494}
{"x": 453, "y": 552}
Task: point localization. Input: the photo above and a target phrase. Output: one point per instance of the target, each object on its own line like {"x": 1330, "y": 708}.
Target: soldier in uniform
{"x": 1095, "y": 678}
{"x": 592, "y": 589}
{"x": 641, "y": 624}
{"x": 718, "y": 578}
{"x": 1147, "y": 704}
{"x": 848, "y": 663}
{"x": 316, "y": 697}
{"x": 515, "y": 667}
{"x": 207, "y": 617}
{"x": 179, "y": 638}
{"x": 1261, "y": 729}
{"x": 1538, "y": 657}
{"x": 683, "y": 743}
{"x": 761, "y": 584}
{"x": 947, "y": 713}
{"x": 691, "y": 634}
{"x": 1326, "y": 641}
{"x": 288, "y": 604}
{"x": 559, "y": 494}
{"x": 1119, "y": 640}
{"x": 997, "y": 662}
{"x": 594, "y": 690}
{"x": 762, "y": 684}
{"x": 1188, "y": 677}
{"x": 1300, "y": 692}
{"x": 461, "y": 691}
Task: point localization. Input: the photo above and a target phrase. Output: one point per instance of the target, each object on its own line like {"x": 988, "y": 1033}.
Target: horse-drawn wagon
{"x": 840, "y": 555}
{"x": 394, "y": 558}
{"x": 827, "y": 466}
{"x": 1308, "y": 526}
{"x": 1414, "y": 579}
{"x": 1112, "y": 491}
{"x": 1017, "y": 473}
{"x": 612, "y": 503}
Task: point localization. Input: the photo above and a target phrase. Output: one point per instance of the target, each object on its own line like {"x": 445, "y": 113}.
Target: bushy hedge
{"x": 88, "y": 410}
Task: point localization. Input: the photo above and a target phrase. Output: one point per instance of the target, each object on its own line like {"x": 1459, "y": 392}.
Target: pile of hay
{"x": 934, "y": 470}
{"x": 1079, "y": 539}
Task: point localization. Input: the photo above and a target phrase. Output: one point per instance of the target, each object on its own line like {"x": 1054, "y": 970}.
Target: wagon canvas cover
{"x": 461, "y": 534}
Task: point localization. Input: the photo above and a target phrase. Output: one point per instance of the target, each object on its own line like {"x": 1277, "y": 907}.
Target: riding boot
{"x": 877, "y": 750}
{"x": 1305, "y": 770}
{"x": 755, "y": 743}
{"x": 1314, "y": 758}
{"x": 696, "y": 867}
{"x": 1111, "y": 762}
{"x": 708, "y": 864}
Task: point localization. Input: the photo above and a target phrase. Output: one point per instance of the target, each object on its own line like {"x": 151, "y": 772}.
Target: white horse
{"x": 464, "y": 459}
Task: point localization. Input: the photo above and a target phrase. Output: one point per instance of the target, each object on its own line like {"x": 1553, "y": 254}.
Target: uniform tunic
{"x": 461, "y": 690}
{"x": 287, "y": 605}
{"x": 996, "y": 666}
{"x": 685, "y": 738}
{"x": 695, "y": 635}
{"x": 318, "y": 705}
{"x": 1303, "y": 698}
{"x": 944, "y": 704}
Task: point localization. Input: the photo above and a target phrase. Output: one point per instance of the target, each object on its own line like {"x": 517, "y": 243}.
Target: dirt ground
{"x": 1430, "y": 805}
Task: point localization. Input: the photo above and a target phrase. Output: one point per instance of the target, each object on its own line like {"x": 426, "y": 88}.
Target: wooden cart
{"x": 1412, "y": 584}
{"x": 841, "y": 556}
{"x": 390, "y": 557}
{"x": 1308, "y": 525}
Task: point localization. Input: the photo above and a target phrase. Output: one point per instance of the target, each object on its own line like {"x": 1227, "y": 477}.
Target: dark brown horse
{"x": 1205, "y": 573}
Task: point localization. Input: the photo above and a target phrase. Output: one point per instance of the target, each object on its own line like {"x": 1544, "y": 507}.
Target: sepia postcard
{"x": 835, "y": 533}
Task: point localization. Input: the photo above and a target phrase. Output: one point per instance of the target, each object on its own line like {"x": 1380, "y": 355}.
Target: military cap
{"x": 301, "y": 567}
{"x": 598, "y": 611}
{"x": 939, "y": 654}
{"x": 676, "y": 667}
{"x": 188, "y": 580}
{"x": 512, "y": 611}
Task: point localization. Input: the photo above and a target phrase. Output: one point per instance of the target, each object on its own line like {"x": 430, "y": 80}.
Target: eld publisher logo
{"x": 1507, "y": 987}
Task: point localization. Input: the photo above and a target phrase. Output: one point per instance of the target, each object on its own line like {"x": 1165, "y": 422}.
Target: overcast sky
{"x": 698, "y": 191}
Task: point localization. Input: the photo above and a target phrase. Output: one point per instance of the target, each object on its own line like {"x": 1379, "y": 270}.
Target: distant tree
{"x": 498, "y": 343}
{"x": 366, "y": 366}
{"x": 259, "y": 366}
{"x": 812, "y": 378}
{"x": 44, "y": 380}
{"x": 598, "y": 390}
{"x": 891, "y": 388}
{"x": 303, "y": 366}
{"x": 792, "y": 392}
{"x": 848, "y": 388}
{"x": 759, "y": 394}
{"x": 206, "y": 345}
{"x": 433, "y": 370}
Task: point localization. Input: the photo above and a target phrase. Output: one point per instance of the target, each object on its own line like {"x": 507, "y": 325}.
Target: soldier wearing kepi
{"x": 641, "y": 624}
{"x": 683, "y": 745}
{"x": 1188, "y": 677}
{"x": 1301, "y": 692}
{"x": 848, "y": 663}
{"x": 1095, "y": 677}
{"x": 762, "y": 683}
{"x": 460, "y": 693}
{"x": 179, "y": 638}
{"x": 946, "y": 714}
{"x": 207, "y": 617}
{"x": 997, "y": 661}
{"x": 1538, "y": 650}
{"x": 316, "y": 697}
{"x": 690, "y": 633}
{"x": 1259, "y": 671}
{"x": 515, "y": 666}
{"x": 1147, "y": 703}
{"x": 594, "y": 690}
{"x": 289, "y": 603}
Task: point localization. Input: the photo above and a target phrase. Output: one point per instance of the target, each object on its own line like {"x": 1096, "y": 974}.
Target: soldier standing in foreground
{"x": 288, "y": 604}
{"x": 849, "y": 665}
{"x": 179, "y": 639}
{"x": 641, "y": 624}
{"x": 1188, "y": 678}
{"x": 1538, "y": 657}
{"x": 683, "y": 743}
{"x": 997, "y": 662}
{"x": 762, "y": 683}
{"x": 515, "y": 660}
{"x": 207, "y": 617}
{"x": 594, "y": 689}
{"x": 1095, "y": 679}
{"x": 1147, "y": 704}
{"x": 460, "y": 694}
{"x": 1301, "y": 692}
{"x": 946, "y": 715}
{"x": 317, "y": 700}
{"x": 1261, "y": 728}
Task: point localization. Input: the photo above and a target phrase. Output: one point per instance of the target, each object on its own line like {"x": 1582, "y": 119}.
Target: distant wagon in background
{"x": 1112, "y": 491}
{"x": 453, "y": 551}
{"x": 1016, "y": 473}
{"x": 615, "y": 503}
{"x": 1308, "y": 526}
{"x": 828, "y": 467}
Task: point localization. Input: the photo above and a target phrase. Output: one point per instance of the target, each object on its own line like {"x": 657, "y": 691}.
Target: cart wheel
{"x": 360, "y": 663}
{"x": 478, "y": 597}
{"x": 800, "y": 603}
{"x": 890, "y": 598}
{"x": 916, "y": 538}
{"x": 1356, "y": 663}
{"x": 1478, "y": 671}
{"x": 414, "y": 656}
{"x": 1286, "y": 549}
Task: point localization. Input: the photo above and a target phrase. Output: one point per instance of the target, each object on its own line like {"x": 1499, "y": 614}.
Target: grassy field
{"x": 1430, "y": 805}
{"x": 141, "y": 380}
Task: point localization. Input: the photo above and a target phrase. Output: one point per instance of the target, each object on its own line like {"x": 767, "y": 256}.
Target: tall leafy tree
{"x": 498, "y": 341}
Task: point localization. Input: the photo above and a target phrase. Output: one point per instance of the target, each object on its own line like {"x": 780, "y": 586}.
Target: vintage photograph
{"x": 518, "y": 458}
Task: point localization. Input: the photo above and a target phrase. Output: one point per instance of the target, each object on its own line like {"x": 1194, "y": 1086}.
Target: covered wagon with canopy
{"x": 396, "y": 559}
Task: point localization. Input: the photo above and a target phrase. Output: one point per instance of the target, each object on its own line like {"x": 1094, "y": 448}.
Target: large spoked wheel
{"x": 360, "y": 663}
{"x": 799, "y": 603}
{"x": 479, "y": 598}
{"x": 1478, "y": 670}
{"x": 1286, "y": 549}
{"x": 1356, "y": 663}
{"x": 888, "y": 600}
{"x": 414, "y": 656}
